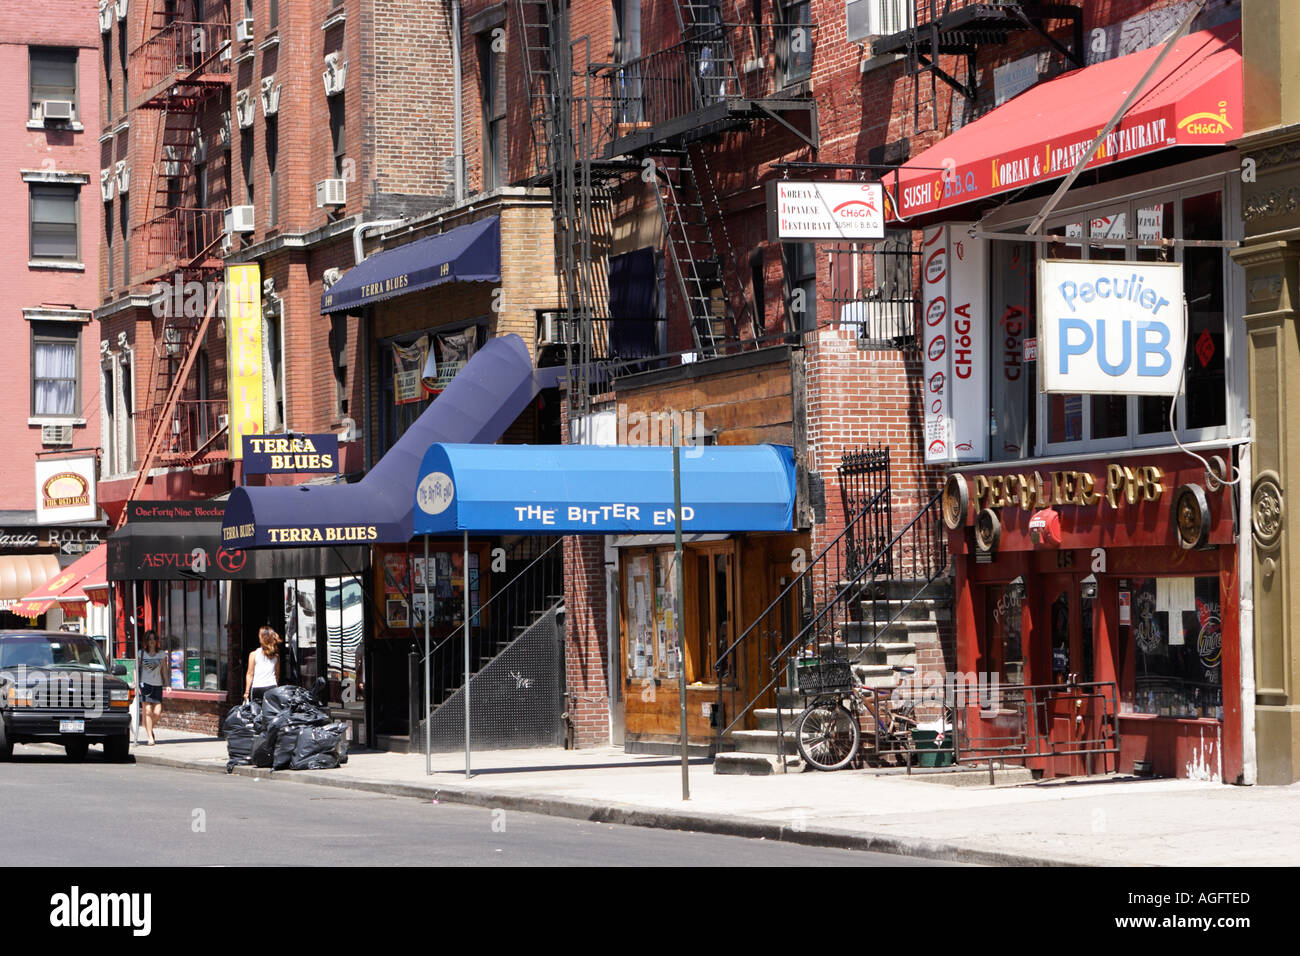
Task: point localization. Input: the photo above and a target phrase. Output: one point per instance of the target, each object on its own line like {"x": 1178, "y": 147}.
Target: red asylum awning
{"x": 67, "y": 587}
{"x": 1194, "y": 99}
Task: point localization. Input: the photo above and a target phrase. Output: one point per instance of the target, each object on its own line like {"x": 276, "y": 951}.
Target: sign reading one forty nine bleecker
{"x": 291, "y": 454}
{"x": 827, "y": 210}
{"x": 244, "y": 335}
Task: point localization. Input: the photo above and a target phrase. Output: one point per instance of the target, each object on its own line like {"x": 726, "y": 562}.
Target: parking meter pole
{"x": 677, "y": 610}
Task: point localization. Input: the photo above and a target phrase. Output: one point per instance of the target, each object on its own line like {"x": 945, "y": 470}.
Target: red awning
{"x": 1194, "y": 99}
{"x": 67, "y": 587}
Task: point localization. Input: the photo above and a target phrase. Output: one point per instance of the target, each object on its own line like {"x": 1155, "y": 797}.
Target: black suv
{"x": 56, "y": 687}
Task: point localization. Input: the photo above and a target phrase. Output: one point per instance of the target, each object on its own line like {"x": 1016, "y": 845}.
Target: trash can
{"x": 933, "y": 748}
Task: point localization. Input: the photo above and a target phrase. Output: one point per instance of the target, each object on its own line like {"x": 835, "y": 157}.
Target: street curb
{"x": 576, "y": 808}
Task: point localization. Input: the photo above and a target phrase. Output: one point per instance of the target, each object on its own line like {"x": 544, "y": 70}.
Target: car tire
{"x": 6, "y": 745}
{"x": 117, "y": 748}
{"x": 76, "y": 749}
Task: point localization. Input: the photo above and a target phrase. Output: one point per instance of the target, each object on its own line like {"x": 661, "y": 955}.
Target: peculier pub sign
{"x": 292, "y": 454}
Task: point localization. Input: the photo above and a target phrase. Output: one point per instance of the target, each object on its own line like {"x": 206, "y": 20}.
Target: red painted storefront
{"x": 1140, "y": 620}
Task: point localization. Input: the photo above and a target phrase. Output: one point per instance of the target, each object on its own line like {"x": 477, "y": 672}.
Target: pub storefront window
{"x": 1175, "y": 633}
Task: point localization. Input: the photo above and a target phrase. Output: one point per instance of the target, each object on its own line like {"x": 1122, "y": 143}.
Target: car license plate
{"x": 72, "y": 726}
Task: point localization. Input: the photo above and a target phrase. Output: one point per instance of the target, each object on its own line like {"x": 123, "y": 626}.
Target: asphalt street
{"x": 56, "y": 813}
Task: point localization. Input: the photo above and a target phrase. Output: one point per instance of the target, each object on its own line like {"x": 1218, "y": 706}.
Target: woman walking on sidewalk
{"x": 263, "y": 665}
{"x": 154, "y": 676}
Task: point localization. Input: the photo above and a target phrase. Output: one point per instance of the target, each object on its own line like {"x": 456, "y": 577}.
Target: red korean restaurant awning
{"x": 1194, "y": 99}
{"x": 68, "y": 587}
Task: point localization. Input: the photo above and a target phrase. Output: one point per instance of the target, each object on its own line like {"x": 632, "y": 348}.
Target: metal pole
{"x": 428, "y": 696}
{"x": 135, "y": 652}
{"x": 464, "y": 570}
{"x": 677, "y": 610}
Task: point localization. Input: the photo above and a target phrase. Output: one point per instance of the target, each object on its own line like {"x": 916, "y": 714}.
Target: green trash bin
{"x": 932, "y": 751}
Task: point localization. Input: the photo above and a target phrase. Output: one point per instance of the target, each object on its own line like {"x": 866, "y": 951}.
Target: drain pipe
{"x": 358, "y": 253}
{"x": 458, "y": 148}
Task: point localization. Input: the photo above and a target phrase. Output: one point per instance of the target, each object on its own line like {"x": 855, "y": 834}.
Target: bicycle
{"x": 828, "y": 733}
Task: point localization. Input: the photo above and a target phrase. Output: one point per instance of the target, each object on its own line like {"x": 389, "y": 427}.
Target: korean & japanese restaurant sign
{"x": 1113, "y": 328}
{"x": 825, "y": 210}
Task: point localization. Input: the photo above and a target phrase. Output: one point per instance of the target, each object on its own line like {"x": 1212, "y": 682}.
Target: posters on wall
{"x": 408, "y": 367}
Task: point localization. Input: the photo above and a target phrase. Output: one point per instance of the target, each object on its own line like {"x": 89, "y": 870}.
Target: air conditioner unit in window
{"x": 331, "y": 192}
{"x": 57, "y": 111}
{"x": 56, "y": 434}
{"x": 239, "y": 219}
{"x": 223, "y": 421}
{"x": 244, "y": 30}
{"x": 555, "y": 328}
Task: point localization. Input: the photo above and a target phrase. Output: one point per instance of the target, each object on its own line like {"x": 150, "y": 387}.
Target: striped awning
{"x": 20, "y": 573}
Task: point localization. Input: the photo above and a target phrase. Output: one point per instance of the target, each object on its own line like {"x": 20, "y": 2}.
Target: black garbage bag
{"x": 263, "y": 750}
{"x": 240, "y": 748}
{"x": 241, "y": 721}
{"x": 326, "y": 761}
{"x": 315, "y": 741}
{"x": 284, "y": 698}
{"x": 286, "y": 742}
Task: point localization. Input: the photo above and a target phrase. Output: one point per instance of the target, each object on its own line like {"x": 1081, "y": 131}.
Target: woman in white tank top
{"x": 263, "y": 665}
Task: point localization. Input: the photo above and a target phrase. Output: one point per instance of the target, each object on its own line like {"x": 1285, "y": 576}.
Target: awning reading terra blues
{"x": 469, "y": 253}
{"x": 591, "y": 489}
{"x": 1194, "y": 99}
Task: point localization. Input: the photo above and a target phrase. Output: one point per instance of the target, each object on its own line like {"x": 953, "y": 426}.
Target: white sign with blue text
{"x": 1110, "y": 328}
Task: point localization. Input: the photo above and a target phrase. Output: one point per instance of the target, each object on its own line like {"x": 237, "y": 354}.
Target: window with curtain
{"x": 54, "y": 222}
{"x": 54, "y": 370}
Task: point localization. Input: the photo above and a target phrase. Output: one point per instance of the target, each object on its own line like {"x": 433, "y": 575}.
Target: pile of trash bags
{"x": 287, "y": 730}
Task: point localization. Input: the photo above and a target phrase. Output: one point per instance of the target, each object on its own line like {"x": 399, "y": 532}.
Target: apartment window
{"x": 627, "y": 54}
{"x": 794, "y": 41}
{"x": 54, "y": 223}
{"x": 201, "y": 194}
{"x": 204, "y": 389}
{"x": 273, "y": 364}
{"x": 757, "y": 282}
{"x": 339, "y": 351}
{"x": 56, "y": 357}
{"x": 108, "y": 244}
{"x": 272, "y": 180}
{"x": 338, "y": 133}
{"x": 493, "y": 99}
{"x": 273, "y": 15}
{"x": 800, "y": 261}
{"x": 108, "y": 80}
{"x": 124, "y": 230}
{"x": 246, "y": 161}
{"x": 121, "y": 58}
{"x": 53, "y": 77}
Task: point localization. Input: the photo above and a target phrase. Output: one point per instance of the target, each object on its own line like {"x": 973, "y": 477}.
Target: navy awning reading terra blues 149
{"x": 481, "y": 402}
{"x": 589, "y": 489}
{"x": 469, "y": 253}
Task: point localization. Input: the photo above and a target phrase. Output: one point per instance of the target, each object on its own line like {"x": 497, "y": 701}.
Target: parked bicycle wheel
{"x": 827, "y": 736}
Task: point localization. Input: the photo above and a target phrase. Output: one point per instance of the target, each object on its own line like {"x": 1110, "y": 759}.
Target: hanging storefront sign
{"x": 825, "y": 210}
{"x": 1112, "y": 328}
{"x": 292, "y": 454}
{"x": 65, "y": 490}
{"x": 408, "y": 368}
{"x": 954, "y": 281}
{"x": 244, "y": 335}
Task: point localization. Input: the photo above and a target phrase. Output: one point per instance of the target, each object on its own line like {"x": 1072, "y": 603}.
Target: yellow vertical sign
{"x": 244, "y": 353}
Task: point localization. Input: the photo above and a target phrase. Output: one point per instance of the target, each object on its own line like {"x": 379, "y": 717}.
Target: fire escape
{"x": 180, "y": 72}
{"x": 958, "y": 28}
{"x": 662, "y": 110}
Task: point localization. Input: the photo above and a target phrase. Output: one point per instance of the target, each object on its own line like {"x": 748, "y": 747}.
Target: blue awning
{"x": 481, "y": 402}
{"x": 589, "y": 489}
{"x": 469, "y": 253}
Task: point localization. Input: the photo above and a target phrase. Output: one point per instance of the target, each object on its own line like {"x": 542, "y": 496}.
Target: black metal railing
{"x": 713, "y": 64}
{"x": 825, "y": 601}
{"x": 535, "y": 569}
{"x": 874, "y": 291}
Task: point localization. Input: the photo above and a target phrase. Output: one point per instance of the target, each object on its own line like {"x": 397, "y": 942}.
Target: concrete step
{"x": 865, "y": 632}
{"x": 922, "y": 609}
{"x": 939, "y": 590}
{"x": 762, "y": 741}
{"x": 739, "y": 762}
{"x": 767, "y": 716}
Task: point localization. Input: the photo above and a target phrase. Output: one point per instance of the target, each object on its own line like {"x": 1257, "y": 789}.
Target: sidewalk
{"x": 1094, "y": 822}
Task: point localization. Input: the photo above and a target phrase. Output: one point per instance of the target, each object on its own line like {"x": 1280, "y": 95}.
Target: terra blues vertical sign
{"x": 244, "y": 335}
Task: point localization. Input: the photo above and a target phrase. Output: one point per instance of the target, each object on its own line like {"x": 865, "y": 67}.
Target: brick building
{"x": 51, "y": 418}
